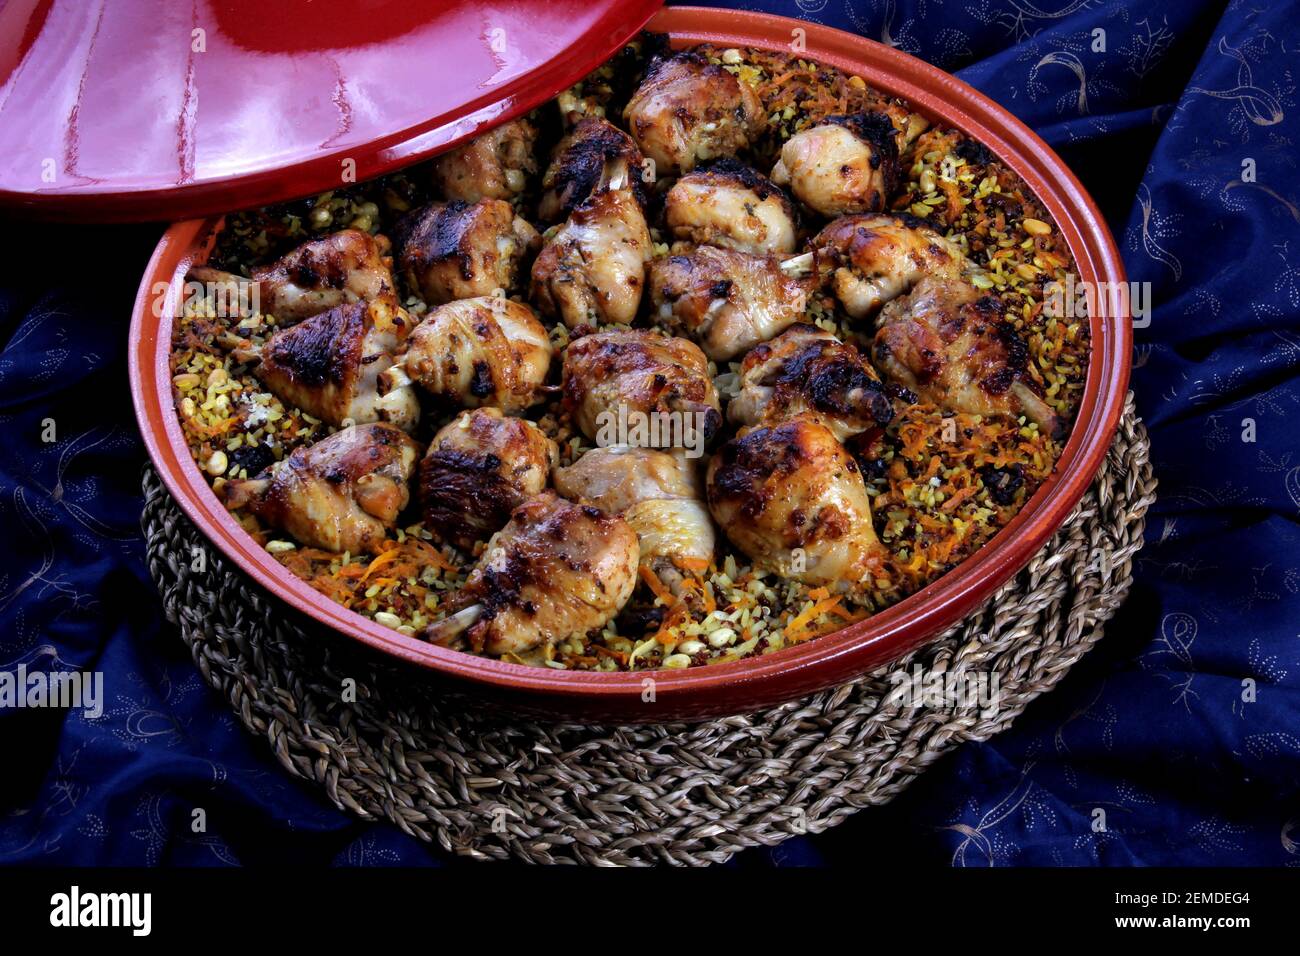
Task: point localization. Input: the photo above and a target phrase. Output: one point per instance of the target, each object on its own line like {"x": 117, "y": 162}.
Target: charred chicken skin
{"x": 845, "y": 164}
{"x": 730, "y": 205}
{"x": 624, "y": 373}
{"x": 332, "y": 365}
{"x": 461, "y": 250}
{"x": 478, "y": 469}
{"x": 591, "y": 271}
{"x": 805, "y": 370}
{"x": 688, "y": 110}
{"x": 792, "y": 498}
{"x": 484, "y": 351}
{"x": 343, "y": 493}
{"x": 594, "y": 156}
{"x": 726, "y": 301}
{"x": 495, "y": 165}
{"x": 342, "y": 268}
{"x": 555, "y": 570}
{"x": 951, "y": 346}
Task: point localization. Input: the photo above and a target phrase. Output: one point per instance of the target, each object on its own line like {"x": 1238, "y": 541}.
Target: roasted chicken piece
{"x": 726, "y": 301}
{"x": 655, "y": 388}
{"x": 730, "y": 205}
{"x": 343, "y": 493}
{"x": 792, "y": 498}
{"x": 617, "y": 477}
{"x": 872, "y": 259}
{"x": 908, "y": 125}
{"x": 950, "y": 344}
{"x": 688, "y": 110}
{"x": 554, "y": 571}
{"x": 478, "y": 469}
{"x": 805, "y": 370}
{"x": 483, "y": 351}
{"x": 332, "y": 365}
{"x": 845, "y": 164}
{"x": 461, "y": 250}
{"x": 594, "y": 156}
{"x": 592, "y": 269}
{"x": 658, "y": 493}
{"x": 495, "y": 165}
{"x": 341, "y": 268}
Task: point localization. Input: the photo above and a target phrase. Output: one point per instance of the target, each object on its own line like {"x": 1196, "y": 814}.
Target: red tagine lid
{"x": 156, "y": 109}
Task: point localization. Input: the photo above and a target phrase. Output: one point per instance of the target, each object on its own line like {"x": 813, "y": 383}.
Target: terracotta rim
{"x": 798, "y": 670}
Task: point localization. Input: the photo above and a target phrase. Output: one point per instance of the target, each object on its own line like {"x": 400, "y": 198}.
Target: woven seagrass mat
{"x": 487, "y": 787}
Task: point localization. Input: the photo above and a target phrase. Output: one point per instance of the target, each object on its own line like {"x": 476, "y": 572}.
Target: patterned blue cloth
{"x": 1179, "y": 117}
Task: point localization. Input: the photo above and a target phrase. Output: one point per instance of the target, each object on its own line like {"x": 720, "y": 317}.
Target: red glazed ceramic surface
{"x": 153, "y": 109}
{"x": 751, "y": 684}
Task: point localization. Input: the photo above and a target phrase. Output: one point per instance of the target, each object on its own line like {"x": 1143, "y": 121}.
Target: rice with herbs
{"x": 940, "y": 484}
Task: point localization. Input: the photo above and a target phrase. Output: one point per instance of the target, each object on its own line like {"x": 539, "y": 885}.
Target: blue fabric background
{"x": 1151, "y": 726}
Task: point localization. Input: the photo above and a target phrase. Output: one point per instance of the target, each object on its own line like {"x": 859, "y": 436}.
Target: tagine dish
{"x": 714, "y": 354}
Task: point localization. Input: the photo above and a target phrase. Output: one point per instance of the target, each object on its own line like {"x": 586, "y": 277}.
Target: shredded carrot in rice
{"x": 655, "y": 585}
{"x": 385, "y": 557}
{"x": 797, "y": 628}
{"x": 694, "y": 565}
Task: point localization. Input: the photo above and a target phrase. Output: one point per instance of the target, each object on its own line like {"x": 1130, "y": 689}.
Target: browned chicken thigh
{"x": 730, "y": 205}
{"x": 343, "y": 493}
{"x": 726, "y": 301}
{"x": 872, "y": 259}
{"x": 660, "y": 495}
{"x": 332, "y": 365}
{"x": 483, "y": 351}
{"x": 341, "y": 268}
{"x": 495, "y": 165}
{"x": 792, "y": 498}
{"x": 805, "y": 370}
{"x": 950, "y": 344}
{"x": 636, "y": 378}
{"x": 459, "y": 250}
{"x": 845, "y": 164}
{"x": 554, "y": 571}
{"x": 591, "y": 270}
{"x": 478, "y": 469}
{"x": 594, "y": 156}
{"x": 689, "y": 110}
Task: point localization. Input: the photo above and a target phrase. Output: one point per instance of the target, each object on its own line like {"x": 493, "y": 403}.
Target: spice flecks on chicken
{"x": 343, "y": 493}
